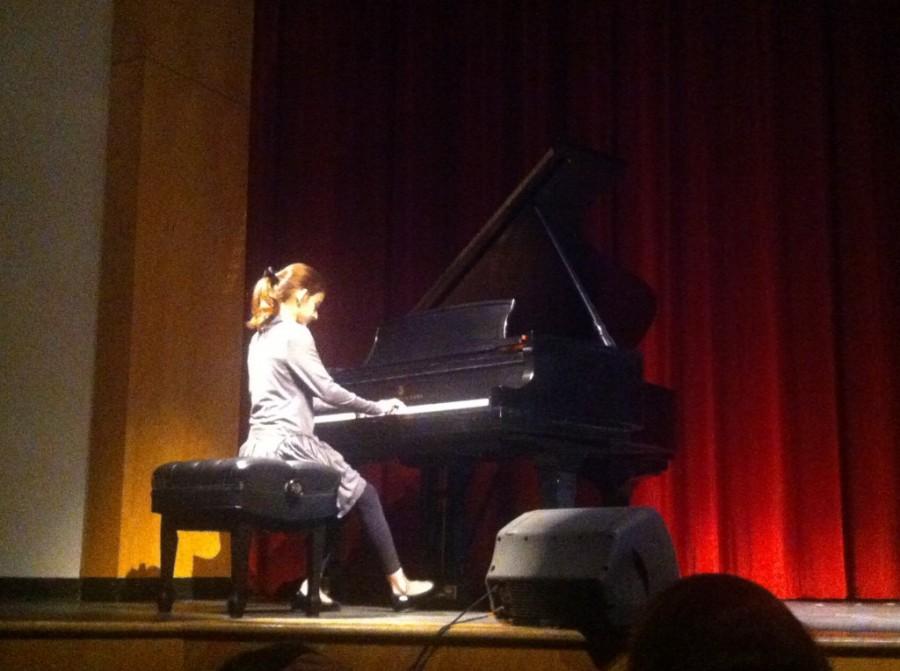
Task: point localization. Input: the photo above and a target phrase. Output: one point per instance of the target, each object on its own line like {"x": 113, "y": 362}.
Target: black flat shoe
{"x": 301, "y": 602}
{"x": 419, "y": 588}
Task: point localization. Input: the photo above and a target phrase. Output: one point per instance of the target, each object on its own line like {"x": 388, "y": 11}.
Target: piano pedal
{"x": 459, "y": 597}
{"x": 447, "y": 593}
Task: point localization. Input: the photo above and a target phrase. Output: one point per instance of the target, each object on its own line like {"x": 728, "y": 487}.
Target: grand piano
{"x": 523, "y": 347}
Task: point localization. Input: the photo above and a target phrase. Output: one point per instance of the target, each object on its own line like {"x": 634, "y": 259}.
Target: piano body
{"x": 523, "y": 347}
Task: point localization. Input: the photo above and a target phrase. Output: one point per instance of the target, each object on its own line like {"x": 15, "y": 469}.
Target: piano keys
{"x": 423, "y": 409}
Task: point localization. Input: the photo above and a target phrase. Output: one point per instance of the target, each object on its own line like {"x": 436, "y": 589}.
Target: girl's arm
{"x": 303, "y": 358}
{"x": 320, "y": 406}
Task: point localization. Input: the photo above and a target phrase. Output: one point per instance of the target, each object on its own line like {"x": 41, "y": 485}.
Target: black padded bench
{"x": 240, "y": 496}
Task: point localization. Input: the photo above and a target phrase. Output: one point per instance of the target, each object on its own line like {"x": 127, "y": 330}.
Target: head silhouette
{"x": 719, "y": 622}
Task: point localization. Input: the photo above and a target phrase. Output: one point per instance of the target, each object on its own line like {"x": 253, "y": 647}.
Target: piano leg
{"x": 614, "y": 479}
{"x": 558, "y": 487}
{"x": 443, "y": 496}
{"x": 558, "y": 479}
{"x": 457, "y": 528}
{"x": 315, "y": 553}
{"x": 435, "y": 502}
{"x": 616, "y": 492}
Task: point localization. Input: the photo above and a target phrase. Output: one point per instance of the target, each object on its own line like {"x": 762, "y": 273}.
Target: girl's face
{"x": 308, "y": 306}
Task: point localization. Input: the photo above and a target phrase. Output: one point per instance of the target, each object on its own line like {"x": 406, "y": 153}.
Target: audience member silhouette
{"x": 720, "y": 622}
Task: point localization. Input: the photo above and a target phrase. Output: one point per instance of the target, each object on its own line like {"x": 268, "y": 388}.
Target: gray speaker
{"x": 584, "y": 567}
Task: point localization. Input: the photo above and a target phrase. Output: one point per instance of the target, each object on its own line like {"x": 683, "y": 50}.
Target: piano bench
{"x": 241, "y": 496}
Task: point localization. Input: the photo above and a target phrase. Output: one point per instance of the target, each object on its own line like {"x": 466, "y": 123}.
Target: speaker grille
{"x": 553, "y": 602}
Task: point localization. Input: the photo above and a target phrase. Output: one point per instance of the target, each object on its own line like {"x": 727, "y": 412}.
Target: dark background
{"x": 760, "y": 201}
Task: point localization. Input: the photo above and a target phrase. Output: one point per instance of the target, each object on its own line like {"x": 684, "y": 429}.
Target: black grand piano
{"x": 523, "y": 347}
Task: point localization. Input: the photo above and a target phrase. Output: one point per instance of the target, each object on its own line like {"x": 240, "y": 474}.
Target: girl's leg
{"x": 377, "y": 529}
{"x": 403, "y": 590}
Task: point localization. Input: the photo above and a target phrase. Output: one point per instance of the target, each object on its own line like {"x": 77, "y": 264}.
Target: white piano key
{"x": 424, "y": 408}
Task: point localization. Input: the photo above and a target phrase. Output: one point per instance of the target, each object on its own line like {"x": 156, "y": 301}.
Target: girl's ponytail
{"x": 263, "y": 304}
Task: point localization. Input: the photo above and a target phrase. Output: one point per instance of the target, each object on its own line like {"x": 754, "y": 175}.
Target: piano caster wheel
{"x": 236, "y": 605}
{"x": 165, "y": 600}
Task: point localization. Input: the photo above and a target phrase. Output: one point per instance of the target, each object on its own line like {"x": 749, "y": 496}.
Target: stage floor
{"x": 853, "y": 635}
{"x": 267, "y": 621}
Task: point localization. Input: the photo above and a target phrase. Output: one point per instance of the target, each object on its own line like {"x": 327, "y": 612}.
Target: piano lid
{"x": 532, "y": 250}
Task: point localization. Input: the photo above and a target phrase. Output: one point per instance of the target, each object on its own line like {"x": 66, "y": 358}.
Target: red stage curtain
{"x": 760, "y": 201}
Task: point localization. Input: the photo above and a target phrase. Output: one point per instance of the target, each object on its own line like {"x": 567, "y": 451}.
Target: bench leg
{"x": 315, "y": 554}
{"x": 311, "y": 602}
{"x": 168, "y": 547}
{"x": 240, "y": 557}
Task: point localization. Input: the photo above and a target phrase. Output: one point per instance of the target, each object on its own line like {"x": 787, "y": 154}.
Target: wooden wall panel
{"x": 170, "y": 353}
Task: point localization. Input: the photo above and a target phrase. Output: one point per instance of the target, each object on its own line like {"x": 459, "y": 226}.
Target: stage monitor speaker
{"x": 590, "y": 568}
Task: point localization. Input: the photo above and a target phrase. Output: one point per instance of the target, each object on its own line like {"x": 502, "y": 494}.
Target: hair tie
{"x": 271, "y": 276}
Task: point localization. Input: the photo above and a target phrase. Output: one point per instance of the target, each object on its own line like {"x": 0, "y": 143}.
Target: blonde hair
{"x": 273, "y": 288}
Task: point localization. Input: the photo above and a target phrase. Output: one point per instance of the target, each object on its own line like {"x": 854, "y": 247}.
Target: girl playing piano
{"x": 287, "y": 383}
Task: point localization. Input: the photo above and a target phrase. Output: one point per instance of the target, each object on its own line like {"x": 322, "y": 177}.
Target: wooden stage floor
{"x": 72, "y": 635}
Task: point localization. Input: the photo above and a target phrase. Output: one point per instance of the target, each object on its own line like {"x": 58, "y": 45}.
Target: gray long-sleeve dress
{"x": 287, "y": 380}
